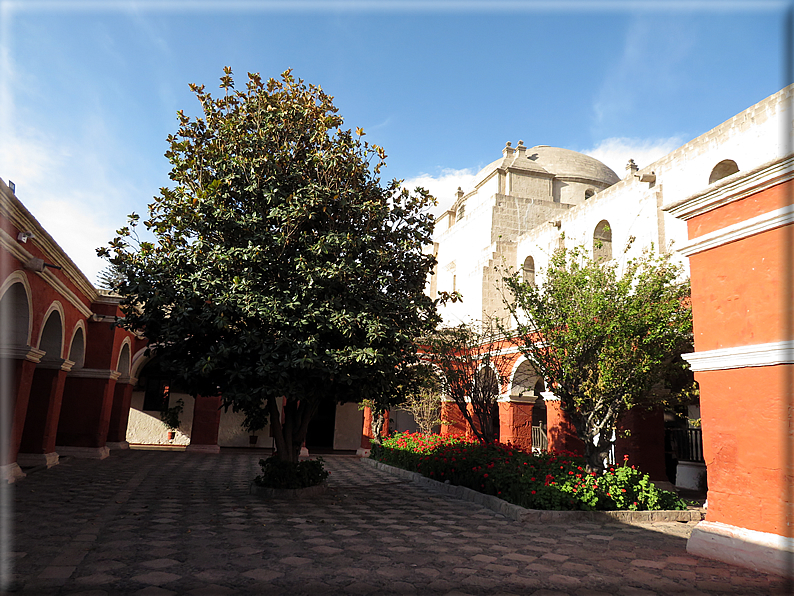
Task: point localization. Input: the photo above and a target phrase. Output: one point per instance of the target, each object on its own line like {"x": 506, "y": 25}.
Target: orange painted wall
{"x": 736, "y": 292}
{"x": 763, "y": 202}
{"x": 454, "y": 423}
{"x": 748, "y": 427}
{"x": 515, "y": 424}
{"x": 561, "y": 432}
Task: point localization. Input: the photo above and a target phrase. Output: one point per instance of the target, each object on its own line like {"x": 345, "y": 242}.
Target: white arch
{"x": 514, "y": 371}
{"x": 56, "y": 306}
{"x": 138, "y": 361}
{"x": 79, "y": 357}
{"x": 124, "y": 366}
{"x": 18, "y": 277}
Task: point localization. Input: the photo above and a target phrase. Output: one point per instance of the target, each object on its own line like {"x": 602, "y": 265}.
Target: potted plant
{"x": 254, "y": 421}
{"x": 170, "y": 417}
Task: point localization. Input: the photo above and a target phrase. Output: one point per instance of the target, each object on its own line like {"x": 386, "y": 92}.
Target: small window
{"x": 529, "y": 271}
{"x": 722, "y": 170}
{"x": 588, "y": 194}
{"x": 602, "y": 241}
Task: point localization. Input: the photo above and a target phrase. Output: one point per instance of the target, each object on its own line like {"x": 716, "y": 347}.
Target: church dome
{"x": 564, "y": 163}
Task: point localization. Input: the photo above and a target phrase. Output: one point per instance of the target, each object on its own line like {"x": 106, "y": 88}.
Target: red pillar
{"x": 515, "y": 424}
{"x": 120, "y": 415}
{"x": 44, "y": 410}
{"x": 561, "y": 432}
{"x": 645, "y": 441}
{"x": 19, "y": 366}
{"x": 85, "y": 413}
{"x": 206, "y": 420}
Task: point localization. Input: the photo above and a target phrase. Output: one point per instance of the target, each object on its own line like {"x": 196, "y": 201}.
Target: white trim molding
{"x": 22, "y": 353}
{"x": 7, "y": 242}
{"x": 738, "y": 231}
{"x": 779, "y": 352}
{"x": 733, "y": 188}
{"x": 95, "y": 373}
{"x": 760, "y": 551}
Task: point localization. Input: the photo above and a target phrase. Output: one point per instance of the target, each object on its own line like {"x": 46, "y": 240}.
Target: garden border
{"x": 523, "y": 515}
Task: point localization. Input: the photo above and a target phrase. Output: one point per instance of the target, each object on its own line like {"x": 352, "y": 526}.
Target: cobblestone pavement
{"x": 155, "y": 523}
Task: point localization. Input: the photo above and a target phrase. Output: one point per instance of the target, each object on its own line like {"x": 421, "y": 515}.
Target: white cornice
{"x": 733, "y": 188}
{"x": 779, "y": 352}
{"x": 22, "y": 353}
{"x": 57, "y": 364}
{"x": 738, "y": 231}
{"x": 13, "y": 208}
{"x": 95, "y": 373}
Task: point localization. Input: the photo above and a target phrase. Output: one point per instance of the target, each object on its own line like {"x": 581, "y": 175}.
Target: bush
{"x": 545, "y": 481}
{"x": 277, "y": 473}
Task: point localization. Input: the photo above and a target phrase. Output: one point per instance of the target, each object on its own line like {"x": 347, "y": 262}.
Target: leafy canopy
{"x": 604, "y": 341}
{"x": 280, "y": 266}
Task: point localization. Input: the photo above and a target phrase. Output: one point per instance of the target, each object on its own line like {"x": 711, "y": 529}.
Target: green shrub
{"x": 282, "y": 474}
{"x": 544, "y": 481}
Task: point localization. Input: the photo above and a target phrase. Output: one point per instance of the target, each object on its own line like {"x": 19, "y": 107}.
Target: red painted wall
{"x": 736, "y": 292}
{"x": 747, "y": 429}
{"x": 742, "y": 210}
{"x": 561, "y": 432}
{"x": 738, "y": 299}
{"x": 515, "y": 422}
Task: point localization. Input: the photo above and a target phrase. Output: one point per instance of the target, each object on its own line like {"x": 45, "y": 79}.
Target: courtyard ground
{"x": 160, "y": 523}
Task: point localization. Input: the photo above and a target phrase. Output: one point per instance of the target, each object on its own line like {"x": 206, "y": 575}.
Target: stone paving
{"x": 154, "y": 523}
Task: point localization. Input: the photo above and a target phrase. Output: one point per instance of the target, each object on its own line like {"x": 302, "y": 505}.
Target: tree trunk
{"x": 290, "y": 434}
{"x": 377, "y": 426}
{"x": 596, "y": 454}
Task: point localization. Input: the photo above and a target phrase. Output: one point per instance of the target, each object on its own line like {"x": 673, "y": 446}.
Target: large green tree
{"x": 281, "y": 268}
{"x": 605, "y": 340}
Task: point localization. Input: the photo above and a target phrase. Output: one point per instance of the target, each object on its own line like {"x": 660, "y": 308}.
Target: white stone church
{"x": 532, "y": 199}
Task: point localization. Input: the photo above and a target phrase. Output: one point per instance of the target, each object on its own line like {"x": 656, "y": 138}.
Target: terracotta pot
{"x": 252, "y": 440}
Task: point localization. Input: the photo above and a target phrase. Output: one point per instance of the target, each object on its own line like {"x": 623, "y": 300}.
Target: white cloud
{"x": 70, "y": 190}
{"x": 615, "y": 152}
{"x": 443, "y": 186}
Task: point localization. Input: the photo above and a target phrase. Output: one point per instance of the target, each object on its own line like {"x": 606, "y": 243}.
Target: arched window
{"x": 602, "y": 241}
{"x": 77, "y": 349}
{"x": 588, "y": 193}
{"x": 725, "y": 168}
{"x": 52, "y": 336}
{"x": 124, "y": 361}
{"x": 15, "y": 314}
{"x": 529, "y": 271}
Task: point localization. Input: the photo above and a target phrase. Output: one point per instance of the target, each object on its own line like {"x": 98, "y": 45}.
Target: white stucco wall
{"x": 146, "y": 428}
{"x": 347, "y": 430}
{"x": 498, "y": 233}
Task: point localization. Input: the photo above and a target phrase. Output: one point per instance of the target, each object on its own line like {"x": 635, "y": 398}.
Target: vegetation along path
{"x": 155, "y": 523}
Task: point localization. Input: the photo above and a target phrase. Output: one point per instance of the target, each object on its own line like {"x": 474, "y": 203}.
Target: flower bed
{"x": 545, "y": 481}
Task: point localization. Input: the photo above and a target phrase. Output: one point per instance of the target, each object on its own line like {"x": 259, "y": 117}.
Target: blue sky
{"x": 89, "y": 90}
